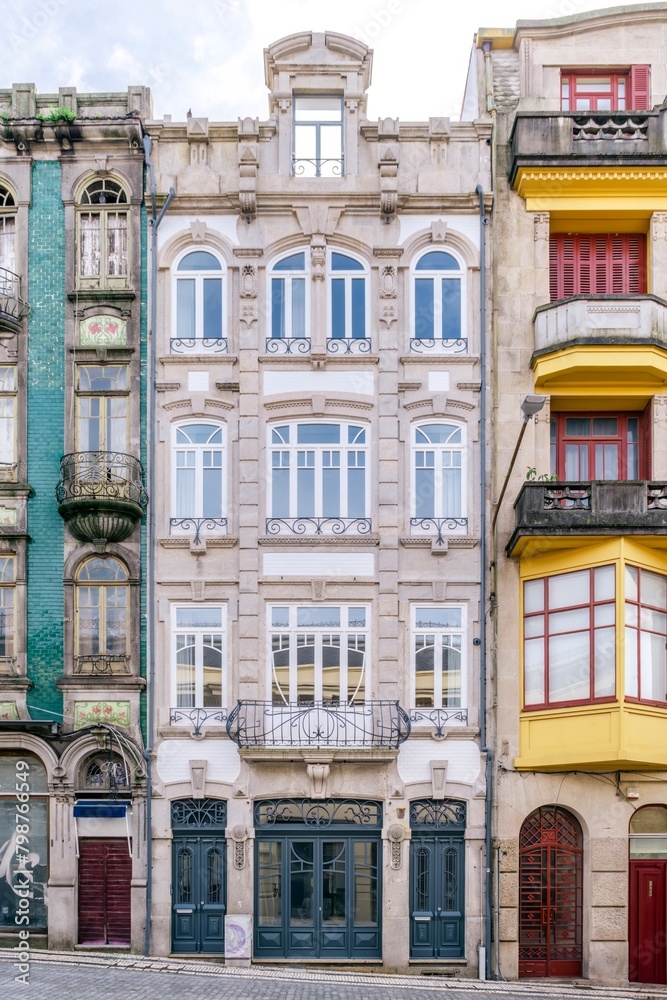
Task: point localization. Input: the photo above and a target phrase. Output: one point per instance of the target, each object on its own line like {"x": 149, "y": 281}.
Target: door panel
{"x": 648, "y": 922}
{"x": 105, "y": 876}
{"x": 438, "y": 894}
{"x": 198, "y": 888}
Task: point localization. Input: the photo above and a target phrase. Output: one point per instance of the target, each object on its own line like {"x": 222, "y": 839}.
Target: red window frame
{"x": 560, "y": 439}
{"x": 630, "y": 89}
{"x": 597, "y": 264}
{"x": 639, "y": 630}
{"x": 592, "y": 629}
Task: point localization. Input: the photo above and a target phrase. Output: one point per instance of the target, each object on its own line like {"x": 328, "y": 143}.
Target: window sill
{"x": 102, "y": 294}
{"x": 431, "y": 359}
{"x": 107, "y": 682}
{"x": 310, "y": 540}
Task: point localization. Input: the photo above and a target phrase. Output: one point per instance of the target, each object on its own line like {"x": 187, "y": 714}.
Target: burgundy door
{"x": 550, "y": 894}
{"x": 648, "y": 922}
{"x": 105, "y": 875}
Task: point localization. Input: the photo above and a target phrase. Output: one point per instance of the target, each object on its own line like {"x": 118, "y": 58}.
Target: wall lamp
{"x": 529, "y": 407}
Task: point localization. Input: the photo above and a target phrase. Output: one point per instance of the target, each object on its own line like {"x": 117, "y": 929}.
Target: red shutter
{"x": 639, "y": 98}
{"x": 554, "y": 271}
{"x": 105, "y": 878}
{"x": 597, "y": 264}
{"x": 645, "y": 443}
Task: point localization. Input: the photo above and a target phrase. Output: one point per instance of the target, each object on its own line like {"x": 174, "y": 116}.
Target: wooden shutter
{"x": 639, "y": 98}
{"x": 597, "y": 264}
{"x": 105, "y": 877}
{"x": 645, "y": 443}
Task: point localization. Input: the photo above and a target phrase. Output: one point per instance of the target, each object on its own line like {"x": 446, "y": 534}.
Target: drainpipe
{"x": 488, "y": 802}
{"x": 154, "y": 223}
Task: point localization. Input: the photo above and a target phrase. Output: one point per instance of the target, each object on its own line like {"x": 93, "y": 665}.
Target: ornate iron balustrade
{"x": 7, "y": 666}
{"x": 11, "y": 303}
{"x": 288, "y": 345}
{"x": 318, "y": 525}
{"x": 197, "y": 717}
{"x": 370, "y": 724}
{"x": 429, "y": 525}
{"x": 189, "y": 345}
{"x": 424, "y": 345}
{"x": 606, "y": 126}
{"x": 300, "y": 166}
{"x": 348, "y": 345}
{"x": 656, "y": 496}
{"x": 568, "y": 496}
{"x": 439, "y": 717}
{"x": 101, "y": 475}
{"x": 107, "y": 664}
{"x": 213, "y": 525}
{"x": 8, "y": 472}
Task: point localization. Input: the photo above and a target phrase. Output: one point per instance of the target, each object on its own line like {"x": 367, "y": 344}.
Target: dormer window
{"x": 318, "y": 136}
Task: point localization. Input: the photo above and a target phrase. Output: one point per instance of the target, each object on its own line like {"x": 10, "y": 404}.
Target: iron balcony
{"x": 319, "y": 725}
{"x": 101, "y": 494}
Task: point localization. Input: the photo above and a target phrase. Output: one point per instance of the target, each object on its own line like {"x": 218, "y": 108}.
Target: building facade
{"x": 72, "y": 363}
{"x": 318, "y": 785}
{"x": 580, "y": 577}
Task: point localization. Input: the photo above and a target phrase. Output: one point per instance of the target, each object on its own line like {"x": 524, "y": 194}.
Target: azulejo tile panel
{"x": 114, "y": 713}
{"x": 103, "y": 331}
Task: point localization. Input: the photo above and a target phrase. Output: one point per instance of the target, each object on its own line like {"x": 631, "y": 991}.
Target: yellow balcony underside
{"x": 614, "y": 737}
{"x": 629, "y": 375}
{"x": 612, "y": 190}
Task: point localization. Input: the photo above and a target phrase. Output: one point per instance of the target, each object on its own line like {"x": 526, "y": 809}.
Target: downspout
{"x": 154, "y": 223}
{"x": 488, "y": 802}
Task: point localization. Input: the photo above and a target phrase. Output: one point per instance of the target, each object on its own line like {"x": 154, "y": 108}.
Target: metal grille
{"x": 318, "y": 814}
{"x": 431, "y": 814}
{"x": 199, "y": 814}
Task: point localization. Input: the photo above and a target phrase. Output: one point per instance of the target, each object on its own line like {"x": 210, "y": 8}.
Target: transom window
{"x": 288, "y": 297}
{"x": 645, "y": 635}
{"x": 347, "y": 291}
{"x": 102, "y": 408}
{"x": 317, "y": 653}
{"x": 7, "y": 422}
{"x": 199, "y": 471}
{"x": 318, "y": 136}
{"x": 318, "y": 470}
{"x": 438, "y": 467}
{"x": 199, "y": 651}
{"x": 596, "y": 446}
{"x": 7, "y": 600}
{"x": 648, "y": 833}
{"x": 438, "y": 300}
{"x": 102, "y": 608}
{"x": 437, "y": 650}
{"x": 7, "y": 234}
{"x": 199, "y": 297}
{"x": 102, "y": 258}
{"x": 570, "y": 637}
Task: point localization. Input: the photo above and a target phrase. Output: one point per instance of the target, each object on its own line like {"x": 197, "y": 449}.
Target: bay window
{"x": 645, "y": 635}
{"x": 589, "y": 446}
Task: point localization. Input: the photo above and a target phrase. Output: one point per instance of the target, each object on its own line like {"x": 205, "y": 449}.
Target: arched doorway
{"x": 550, "y": 894}
{"x": 648, "y": 895}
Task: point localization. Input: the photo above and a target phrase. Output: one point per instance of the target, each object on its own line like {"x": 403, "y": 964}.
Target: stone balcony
{"x": 600, "y": 319}
{"x": 13, "y": 308}
{"x": 589, "y": 509}
{"x": 101, "y": 495}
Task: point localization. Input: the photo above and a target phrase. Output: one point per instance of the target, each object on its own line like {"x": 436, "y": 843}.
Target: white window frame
{"x": 438, "y": 504}
{"x": 437, "y": 687}
{"x": 292, "y": 630}
{"x": 461, "y": 274}
{"x": 176, "y": 446}
{"x": 318, "y": 124}
{"x": 347, "y": 277}
{"x": 294, "y": 448}
{"x": 199, "y": 632}
{"x": 198, "y": 277}
{"x": 8, "y": 231}
{"x": 8, "y": 414}
{"x": 287, "y": 277}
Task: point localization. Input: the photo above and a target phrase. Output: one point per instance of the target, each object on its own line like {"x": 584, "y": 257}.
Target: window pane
{"x": 185, "y": 492}
{"x": 451, "y": 309}
{"x": 653, "y": 589}
{"x": 569, "y": 667}
{"x": 212, "y": 670}
{"x": 356, "y": 492}
{"x": 569, "y": 621}
{"x": 605, "y": 583}
{"x": 577, "y": 426}
{"x": 270, "y": 883}
{"x": 631, "y": 665}
{"x": 437, "y": 617}
{"x": 185, "y": 308}
{"x": 356, "y": 647}
{"x": 305, "y": 486}
{"x": 212, "y": 492}
{"x": 533, "y": 626}
{"x": 301, "y": 883}
{"x": 533, "y": 669}
{"x": 358, "y": 307}
{"x": 340, "y": 262}
{"x": 533, "y": 595}
{"x": 338, "y": 307}
{"x": 327, "y": 617}
{"x": 437, "y": 260}
{"x": 424, "y": 671}
{"x": 278, "y": 307}
{"x": 568, "y": 589}
{"x": 331, "y": 150}
{"x": 200, "y": 260}
{"x": 280, "y": 493}
{"x": 331, "y": 668}
{"x": 298, "y": 307}
{"x": 653, "y": 680}
{"x": 631, "y": 583}
{"x": 365, "y": 883}
{"x": 185, "y": 671}
{"x": 89, "y": 244}
{"x": 305, "y": 150}
{"x": 199, "y": 617}
{"x": 425, "y": 492}
{"x": 451, "y": 491}
{"x": 7, "y": 430}
{"x": 212, "y": 308}
{"x": 116, "y": 244}
{"x": 305, "y": 669}
{"x": 318, "y": 433}
{"x": 605, "y": 663}
{"x": 424, "y": 309}
{"x": 331, "y": 492}
{"x": 451, "y": 671}
{"x": 317, "y": 109}
{"x": 295, "y": 262}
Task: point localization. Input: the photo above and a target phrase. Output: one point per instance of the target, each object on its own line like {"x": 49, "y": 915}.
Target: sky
{"x": 207, "y": 55}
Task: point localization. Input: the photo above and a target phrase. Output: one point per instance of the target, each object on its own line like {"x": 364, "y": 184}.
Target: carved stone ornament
{"x": 388, "y": 164}
{"x": 198, "y": 231}
{"x": 541, "y": 224}
{"x": 659, "y": 225}
{"x": 438, "y": 231}
{"x": 388, "y": 314}
{"x": 318, "y": 773}
{"x": 396, "y": 833}
{"x": 388, "y": 282}
{"x": 239, "y": 837}
{"x": 318, "y": 259}
{"x": 248, "y": 281}
{"x": 396, "y": 837}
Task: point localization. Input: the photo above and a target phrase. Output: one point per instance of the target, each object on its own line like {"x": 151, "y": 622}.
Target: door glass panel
{"x": 184, "y": 876}
{"x": 333, "y": 882}
{"x": 365, "y": 883}
{"x": 422, "y": 872}
{"x": 449, "y": 879}
{"x": 270, "y": 892}
{"x": 213, "y": 876}
{"x": 301, "y": 883}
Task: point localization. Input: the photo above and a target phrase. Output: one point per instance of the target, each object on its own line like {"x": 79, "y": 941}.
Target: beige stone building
{"x": 318, "y": 783}
{"x": 578, "y": 588}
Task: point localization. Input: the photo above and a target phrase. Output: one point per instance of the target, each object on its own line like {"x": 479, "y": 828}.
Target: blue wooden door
{"x": 198, "y": 894}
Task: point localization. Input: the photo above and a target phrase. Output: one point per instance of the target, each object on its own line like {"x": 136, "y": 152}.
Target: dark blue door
{"x": 198, "y": 876}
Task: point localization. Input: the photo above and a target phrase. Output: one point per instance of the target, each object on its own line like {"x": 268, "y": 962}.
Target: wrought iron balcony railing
{"x": 439, "y": 718}
{"x": 96, "y": 664}
{"x": 348, "y": 345}
{"x": 425, "y": 345}
{"x": 101, "y": 475}
{"x": 199, "y": 525}
{"x": 366, "y": 725}
{"x": 288, "y": 345}
{"x": 197, "y": 717}
{"x": 12, "y": 306}
{"x": 318, "y": 526}
{"x": 322, "y": 166}
{"x": 437, "y": 525}
{"x": 198, "y": 345}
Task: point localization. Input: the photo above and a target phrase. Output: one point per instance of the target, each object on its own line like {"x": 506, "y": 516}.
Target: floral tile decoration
{"x": 103, "y": 331}
{"x": 114, "y": 713}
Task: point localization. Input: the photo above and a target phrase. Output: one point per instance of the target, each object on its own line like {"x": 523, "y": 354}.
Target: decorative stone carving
{"x": 388, "y": 282}
{"x": 248, "y": 165}
{"x": 541, "y": 226}
{"x": 248, "y": 313}
{"x": 239, "y": 837}
{"x": 318, "y": 775}
{"x": 438, "y": 129}
{"x": 659, "y": 226}
{"x": 396, "y": 838}
{"x": 438, "y": 231}
{"x": 198, "y": 777}
{"x": 248, "y": 281}
{"x": 388, "y": 165}
{"x": 388, "y": 314}
{"x": 318, "y": 258}
{"x": 438, "y": 779}
{"x": 198, "y": 231}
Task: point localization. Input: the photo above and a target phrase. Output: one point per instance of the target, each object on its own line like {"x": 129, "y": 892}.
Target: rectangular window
{"x": 102, "y": 408}
{"x": 437, "y": 654}
{"x": 103, "y": 249}
{"x": 7, "y": 602}
{"x": 602, "y": 90}
{"x": 7, "y": 424}
{"x": 317, "y": 653}
{"x": 199, "y": 655}
{"x": 598, "y": 446}
{"x": 7, "y": 244}
{"x": 597, "y": 264}
{"x": 570, "y": 638}
{"x": 318, "y": 136}
{"x": 645, "y": 635}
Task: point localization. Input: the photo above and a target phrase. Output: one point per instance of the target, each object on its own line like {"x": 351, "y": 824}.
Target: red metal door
{"x": 105, "y": 875}
{"x": 648, "y": 922}
{"x": 550, "y": 894}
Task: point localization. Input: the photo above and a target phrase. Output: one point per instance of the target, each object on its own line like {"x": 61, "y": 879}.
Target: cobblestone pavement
{"x": 77, "y": 976}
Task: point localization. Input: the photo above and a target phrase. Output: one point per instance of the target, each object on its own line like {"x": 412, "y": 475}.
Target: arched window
{"x": 290, "y": 331}
{"x": 199, "y": 296}
{"x": 318, "y": 476}
{"x": 7, "y": 233}
{"x": 102, "y": 258}
{"x": 102, "y": 621}
{"x": 438, "y": 477}
{"x": 438, "y": 304}
{"x": 347, "y": 278}
{"x": 199, "y": 502}
{"x": 105, "y": 772}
